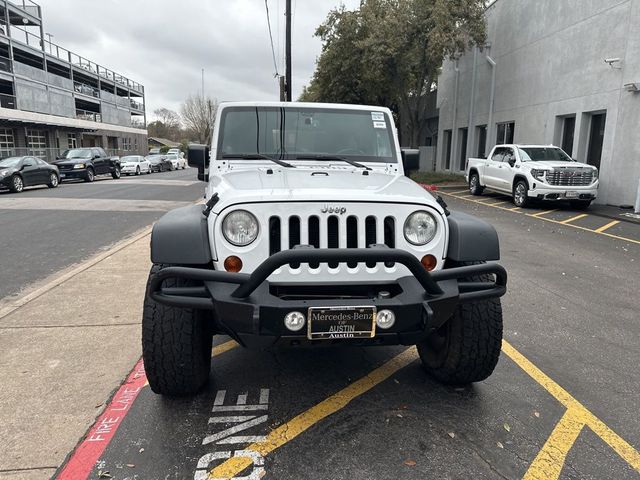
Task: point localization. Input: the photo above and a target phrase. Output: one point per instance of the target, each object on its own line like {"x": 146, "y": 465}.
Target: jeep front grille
{"x": 570, "y": 177}
{"x": 331, "y": 232}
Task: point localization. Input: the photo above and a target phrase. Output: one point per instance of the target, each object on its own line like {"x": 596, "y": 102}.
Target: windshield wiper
{"x": 332, "y": 157}
{"x": 257, "y": 156}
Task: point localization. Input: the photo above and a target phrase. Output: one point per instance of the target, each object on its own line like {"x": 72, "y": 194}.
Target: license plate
{"x": 329, "y": 323}
{"x": 571, "y": 194}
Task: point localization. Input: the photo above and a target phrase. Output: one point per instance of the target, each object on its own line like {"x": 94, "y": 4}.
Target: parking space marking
{"x": 546, "y": 219}
{"x": 550, "y": 459}
{"x": 577, "y": 217}
{"x": 579, "y": 414}
{"x": 539, "y": 214}
{"x": 299, "y": 424}
{"x": 607, "y": 226}
{"x": 224, "y": 347}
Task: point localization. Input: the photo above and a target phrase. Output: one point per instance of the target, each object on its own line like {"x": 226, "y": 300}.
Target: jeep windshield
{"x": 544, "y": 154}
{"x": 306, "y": 134}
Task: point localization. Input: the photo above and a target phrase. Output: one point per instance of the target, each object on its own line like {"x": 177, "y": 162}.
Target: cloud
{"x": 164, "y": 45}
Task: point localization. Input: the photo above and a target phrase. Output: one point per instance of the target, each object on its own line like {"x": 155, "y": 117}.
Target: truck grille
{"x": 331, "y": 232}
{"x": 570, "y": 178}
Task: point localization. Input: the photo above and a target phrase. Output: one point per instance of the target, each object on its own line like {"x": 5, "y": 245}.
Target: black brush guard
{"x": 245, "y": 308}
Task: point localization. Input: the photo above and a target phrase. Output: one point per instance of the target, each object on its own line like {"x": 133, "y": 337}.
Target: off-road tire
{"x": 469, "y": 342}
{"x": 90, "y": 176}
{"x": 176, "y": 344}
{"x": 474, "y": 185}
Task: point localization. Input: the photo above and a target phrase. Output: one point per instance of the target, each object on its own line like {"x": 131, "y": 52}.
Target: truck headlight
{"x": 240, "y": 228}
{"x": 420, "y": 228}
{"x": 79, "y": 165}
{"x": 538, "y": 174}
{"x": 595, "y": 174}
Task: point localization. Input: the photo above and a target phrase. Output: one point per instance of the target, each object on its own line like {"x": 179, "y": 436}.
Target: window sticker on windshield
{"x": 377, "y": 116}
{"x": 379, "y": 125}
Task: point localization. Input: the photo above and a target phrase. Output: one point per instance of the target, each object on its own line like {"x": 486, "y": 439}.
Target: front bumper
{"x": 75, "y": 173}
{"x": 547, "y": 192}
{"x": 251, "y": 310}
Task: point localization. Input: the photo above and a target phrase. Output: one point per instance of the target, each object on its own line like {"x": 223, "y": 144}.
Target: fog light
{"x": 233, "y": 264}
{"x": 429, "y": 262}
{"x": 385, "y": 319}
{"x": 294, "y": 321}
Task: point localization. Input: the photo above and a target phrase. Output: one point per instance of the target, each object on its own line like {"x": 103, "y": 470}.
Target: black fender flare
{"x": 471, "y": 239}
{"x": 181, "y": 237}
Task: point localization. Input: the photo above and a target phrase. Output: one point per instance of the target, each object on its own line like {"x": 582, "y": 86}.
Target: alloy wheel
{"x": 18, "y": 184}
{"x": 53, "y": 180}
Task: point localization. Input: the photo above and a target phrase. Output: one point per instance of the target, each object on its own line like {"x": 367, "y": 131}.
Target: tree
{"x": 166, "y": 125}
{"x": 198, "y": 116}
{"x": 389, "y": 52}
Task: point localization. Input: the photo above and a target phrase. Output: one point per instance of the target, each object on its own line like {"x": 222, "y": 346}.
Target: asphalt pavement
{"x": 44, "y": 230}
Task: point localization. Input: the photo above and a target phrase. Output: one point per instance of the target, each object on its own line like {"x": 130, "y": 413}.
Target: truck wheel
{"x": 474, "y": 185}
{"x": 521, "y": 194}
{"x": 176, "y": 345}
{"x": 90, "y": 176}
{"x": 116, "y": 173}
{"x": 467, "y": 347}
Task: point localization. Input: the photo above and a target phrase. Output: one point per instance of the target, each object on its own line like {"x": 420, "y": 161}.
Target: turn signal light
{"x": 233, "y": 264}
{"x": 429, "y": 262}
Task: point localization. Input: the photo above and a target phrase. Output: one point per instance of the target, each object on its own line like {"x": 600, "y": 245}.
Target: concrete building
{"x": 553, "y": 71}
{"x": 52, "y": 99}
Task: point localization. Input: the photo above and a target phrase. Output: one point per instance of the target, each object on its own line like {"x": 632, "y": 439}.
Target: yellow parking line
{"x": 539, "y": 214}
{"x": 514, "y": 209}
{"x": 577, "y": 217}
{"x": 223, "y": 347}
{"x": 579, "y": 412}
{"x": 550, "y": 459}
{"x": 294, "y": 427}
{"x": 607, "y": 226}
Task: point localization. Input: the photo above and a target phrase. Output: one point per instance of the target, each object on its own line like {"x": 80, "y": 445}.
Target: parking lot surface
{"x": 562, "y": 402}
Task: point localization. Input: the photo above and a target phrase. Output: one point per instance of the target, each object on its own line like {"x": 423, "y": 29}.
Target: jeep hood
{"x": 320, "y": 185}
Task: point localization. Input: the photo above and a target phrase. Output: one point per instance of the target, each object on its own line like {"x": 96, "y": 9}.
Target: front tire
{"x": 116, "y": 174}
{"x": 467, "y": 347}
{"x": 54, "y": 181}
{"x": 474, "y": 185}
{"x": 90, "y": 176}
{"x": 17, "y": 184}
{"x": 137, "y": 171}
{"x": 176, "y": 345}
{"x": 521, "y": 194}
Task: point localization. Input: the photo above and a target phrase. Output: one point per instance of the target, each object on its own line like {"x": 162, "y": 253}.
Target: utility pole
{"x": 203, "y": 83}
{"x": 288, "y": 53}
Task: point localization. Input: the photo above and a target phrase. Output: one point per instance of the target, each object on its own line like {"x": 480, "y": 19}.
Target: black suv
{"x": 86, "y": 163}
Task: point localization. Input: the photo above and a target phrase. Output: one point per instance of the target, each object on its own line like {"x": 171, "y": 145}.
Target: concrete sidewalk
{"x": 64, "y": 348}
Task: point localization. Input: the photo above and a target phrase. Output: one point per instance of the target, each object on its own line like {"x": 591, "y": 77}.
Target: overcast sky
{"x": 164, "y": 44}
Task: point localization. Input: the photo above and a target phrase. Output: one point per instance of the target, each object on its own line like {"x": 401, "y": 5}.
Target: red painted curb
{"x": 87, "y": 453}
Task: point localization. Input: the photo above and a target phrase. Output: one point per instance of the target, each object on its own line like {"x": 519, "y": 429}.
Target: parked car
{"x": 159, "y": 163}
{"x": 135, "y": 165}
{"x": 175, "y": 161}
{"x": 182, "y": 161}
{"x": 86, "y": 163}
{"x": 325, "y": 241}
{"x": 19, "y": 172}
{"x": 530, "y": 172}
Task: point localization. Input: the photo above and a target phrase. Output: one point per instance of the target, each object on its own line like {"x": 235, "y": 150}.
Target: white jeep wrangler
{"x": 311, "y": 233}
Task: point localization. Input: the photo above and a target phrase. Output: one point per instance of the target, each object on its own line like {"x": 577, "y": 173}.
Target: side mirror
{"x": 410, "y": 159}
{"x": 95, "y": 157}
{"x": 198, "y": 156}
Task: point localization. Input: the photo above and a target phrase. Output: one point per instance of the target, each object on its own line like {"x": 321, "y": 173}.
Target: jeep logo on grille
{"x": 328, "y": 209}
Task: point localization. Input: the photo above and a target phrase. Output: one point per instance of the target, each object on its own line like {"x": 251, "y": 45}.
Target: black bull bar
{"x": 200, "y": 298}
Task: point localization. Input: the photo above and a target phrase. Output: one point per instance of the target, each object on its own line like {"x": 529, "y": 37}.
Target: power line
{"x": 273, "y": 50}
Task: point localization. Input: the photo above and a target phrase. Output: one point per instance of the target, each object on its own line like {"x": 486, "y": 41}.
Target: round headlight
{"x": 420, "y": 228}
{"x": 240, "y": 228}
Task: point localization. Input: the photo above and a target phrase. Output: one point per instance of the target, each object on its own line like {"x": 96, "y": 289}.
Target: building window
{"x": 135, "y": 144}
{"x": 505, "y": 132}
{"x": 37, "y": 143}
{"x": 126, "y": 144}
{"x": 72, "y": 140}
{"x": 6, "y": 142}
{"x": 481, "y": 135}
{"x": 447, "y": 149}
{"x": 462, "y": 160}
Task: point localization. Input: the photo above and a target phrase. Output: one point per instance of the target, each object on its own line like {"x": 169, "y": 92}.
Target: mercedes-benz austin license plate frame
{"x": 331, "y": 323}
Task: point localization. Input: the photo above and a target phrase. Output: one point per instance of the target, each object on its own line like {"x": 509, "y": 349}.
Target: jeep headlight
{"x": 240, "y": 228}
{"x": 538, "y": 174}
{"x": 420, "y": 228}
{"x": 79, "y": 165}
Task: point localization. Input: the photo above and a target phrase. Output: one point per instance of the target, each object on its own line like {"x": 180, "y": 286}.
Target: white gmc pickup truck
{"x": 530, "y": 172}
